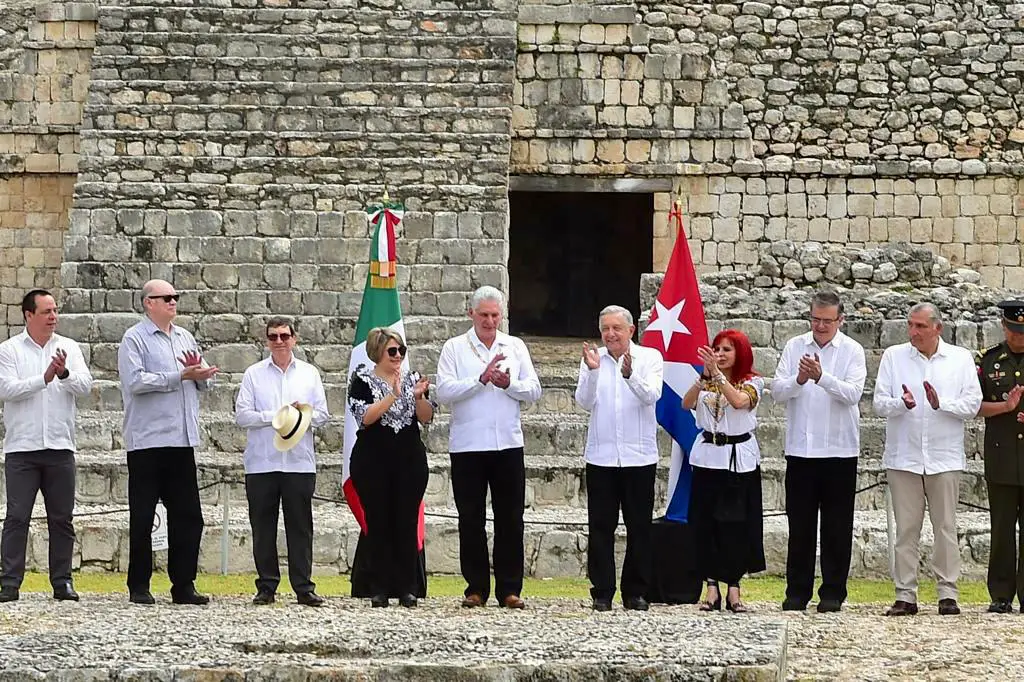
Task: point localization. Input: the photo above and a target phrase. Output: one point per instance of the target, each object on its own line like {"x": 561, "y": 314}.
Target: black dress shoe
{"x": 263, "y": 598}
{"x": 144, "y": 597}
{"x": 65, "y": 593}
{"x": 948, "y": 607}
{"x": 602, "y": 605}
{"x": 191, "y": 598}
{"x": 794, "y": 605}
{"x": 902, "y": 608}
{"x": 408, "y": 600}
{"x": 379, "y": 601}
{"x": 1000, "y": 606}
{"x": 635, "y": 604}
{"x": 830, "y": 606}
{"x": 310, "y": 598}
{"x": 9, "y": 594}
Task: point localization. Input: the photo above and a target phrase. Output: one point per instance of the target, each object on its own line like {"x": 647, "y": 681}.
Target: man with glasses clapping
{"x": 820, "y": 380}
{"x": 162, "y": 373}
{"x": 278, "y": 401}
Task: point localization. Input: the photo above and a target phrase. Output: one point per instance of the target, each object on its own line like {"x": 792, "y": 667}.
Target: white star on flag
{"x": 668, "y": 322}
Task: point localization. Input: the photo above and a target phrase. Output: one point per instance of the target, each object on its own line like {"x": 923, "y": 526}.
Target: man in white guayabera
{"x": 926, "y": 389}
{"x": 483, "y": 376}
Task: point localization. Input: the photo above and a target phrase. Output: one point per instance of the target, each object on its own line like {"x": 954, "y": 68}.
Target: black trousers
{"x": 167, "y": 475}
{"x": 827, "y": 486}
{"x": 472, "y": 474}
{"x": 267, "y": 493}
{"x": 391, "y": 483}
{"x": 1005, "y": 565}
{"x": 27, "y": 473}
{"x": 610, "y": 489}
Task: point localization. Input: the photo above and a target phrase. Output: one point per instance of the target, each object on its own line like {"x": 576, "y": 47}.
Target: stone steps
{"x": 238, "y": 44}
{"x": 551, "y": 481}
{"x": 277, "y": 92}
{"x": 555, "y": 541}
{"x": 306, "y": 69}
{"x": 174, "y": 17}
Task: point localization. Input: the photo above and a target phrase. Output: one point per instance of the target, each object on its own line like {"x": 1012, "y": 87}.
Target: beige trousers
{"x": 909, "y": 493}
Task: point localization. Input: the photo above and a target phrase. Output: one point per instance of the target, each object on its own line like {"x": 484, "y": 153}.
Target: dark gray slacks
{"x": 27, "y": 473}
{"x": 1005, "y": 563}
{"x": 268, "y": 493}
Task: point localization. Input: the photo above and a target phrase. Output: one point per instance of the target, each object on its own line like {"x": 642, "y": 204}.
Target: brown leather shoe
{"x": 472, "y": 601}
{"x": 513, "y": 601}
{"x": 902, "y": 608}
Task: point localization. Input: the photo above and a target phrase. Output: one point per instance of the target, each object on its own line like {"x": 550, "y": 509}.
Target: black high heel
{"x": 736, "y": 606}
{"x": 716, "y": 605}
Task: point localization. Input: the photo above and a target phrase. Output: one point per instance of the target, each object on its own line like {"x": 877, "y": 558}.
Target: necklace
{"x": 472, "y": 347}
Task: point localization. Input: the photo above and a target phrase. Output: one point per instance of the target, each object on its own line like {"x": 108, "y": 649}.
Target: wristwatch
{"x": 65, "y": 374}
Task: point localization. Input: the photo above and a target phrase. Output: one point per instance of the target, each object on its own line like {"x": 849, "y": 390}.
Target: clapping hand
{"x": 707, "y": 357}
{"x": 810, "y": 368}
{"x": 421, "y": 387}
{"x": 491, "y": 369}
{"x": 501, "y": 379}
{"x": 931, "y": 395}
{"x": 1013, "y": 398}
{"x": 193, "y": 370}
{"x": 591, "y": 357}
{"x": 57, "y": 366}
{"x": 908, "y": 398}
{"x": 627, "y": 365}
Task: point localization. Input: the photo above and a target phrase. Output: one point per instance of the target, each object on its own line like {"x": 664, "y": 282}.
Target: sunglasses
{"x": 284, "y": 336}
{"x": 397, "y": 351}
{"x": 167, "y": 298}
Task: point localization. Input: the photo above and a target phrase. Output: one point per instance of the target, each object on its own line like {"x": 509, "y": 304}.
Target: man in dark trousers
{"x": 1001, "y": 373}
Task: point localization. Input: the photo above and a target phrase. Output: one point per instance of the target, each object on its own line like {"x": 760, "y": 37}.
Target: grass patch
{"x": 767, "y": 589}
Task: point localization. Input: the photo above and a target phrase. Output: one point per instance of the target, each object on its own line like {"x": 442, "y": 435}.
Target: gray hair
{"x": 933, "y": 312}
{"x": 616, "y": 310}
{"x": 486, "y": 293}
{"x": 826, "y": 299}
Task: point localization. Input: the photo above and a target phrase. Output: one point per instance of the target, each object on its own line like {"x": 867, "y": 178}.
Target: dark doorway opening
{"x": 571, "y": 254}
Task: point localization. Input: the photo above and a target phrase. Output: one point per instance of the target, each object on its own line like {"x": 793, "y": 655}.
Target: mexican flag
{"x": 380, "y": 308}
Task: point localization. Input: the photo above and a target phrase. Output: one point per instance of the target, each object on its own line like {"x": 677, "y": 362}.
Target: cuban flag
{"x": 677, "y": 328}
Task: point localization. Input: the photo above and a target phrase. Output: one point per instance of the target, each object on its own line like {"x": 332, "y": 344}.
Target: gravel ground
{"x": 104, "y": 637}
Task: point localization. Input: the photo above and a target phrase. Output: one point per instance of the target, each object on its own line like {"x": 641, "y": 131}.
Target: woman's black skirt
{"x": 728, "y": 529}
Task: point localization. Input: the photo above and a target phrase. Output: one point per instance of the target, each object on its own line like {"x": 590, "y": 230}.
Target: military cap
{"x": 1013, "y": 315}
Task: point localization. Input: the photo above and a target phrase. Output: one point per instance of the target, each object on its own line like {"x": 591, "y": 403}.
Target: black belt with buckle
{"x": 725, "y": 439}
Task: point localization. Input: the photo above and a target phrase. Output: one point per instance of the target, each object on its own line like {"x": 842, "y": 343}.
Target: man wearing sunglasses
{"x": 162, "y": 373}
{"x": 280, "y": 468}
{"x": 484, "y": 376}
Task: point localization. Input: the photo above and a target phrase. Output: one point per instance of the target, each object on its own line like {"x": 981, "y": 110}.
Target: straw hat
{"x": 291, "y": 424}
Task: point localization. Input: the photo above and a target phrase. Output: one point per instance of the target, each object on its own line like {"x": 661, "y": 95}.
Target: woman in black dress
{"x": 389, "y": 462}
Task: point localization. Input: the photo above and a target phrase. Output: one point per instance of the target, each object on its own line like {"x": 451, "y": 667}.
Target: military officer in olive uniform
{"x": 1001, "y": 372}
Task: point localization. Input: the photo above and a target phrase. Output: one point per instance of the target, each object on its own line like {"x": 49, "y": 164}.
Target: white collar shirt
{"x": 40, "y": 415}
{"x": 265, "y": 389}
{"x": 484, "y": 418}
{"x": 923, "y": 440}
{"x": 822, "y": 417}
{"x": 623, "y": 427}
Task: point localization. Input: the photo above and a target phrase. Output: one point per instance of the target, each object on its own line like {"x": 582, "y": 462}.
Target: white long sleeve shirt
{"x": 623, "y": 427}
{"x": 923, "y": 440}
{"x": 823, "y": 416}
{"x": 37, "y": 415}
{"x": 265, "y": 390}
{"x": 484, "y": 418}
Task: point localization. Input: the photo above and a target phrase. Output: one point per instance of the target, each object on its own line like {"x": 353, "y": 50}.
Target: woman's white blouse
{"x": 714, "y": 414}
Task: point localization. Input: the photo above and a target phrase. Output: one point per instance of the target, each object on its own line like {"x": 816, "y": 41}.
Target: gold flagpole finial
{"x": 387, "y": 197}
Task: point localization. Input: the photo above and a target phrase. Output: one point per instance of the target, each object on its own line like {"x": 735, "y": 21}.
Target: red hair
{"x": 743, "y": 367}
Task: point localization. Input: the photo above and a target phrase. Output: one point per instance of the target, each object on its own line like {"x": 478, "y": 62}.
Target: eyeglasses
{"x": 284, "y": 336}
{"x": 167, "y": 298}
{"x": 397, "y": 351}
{"x": 824, "y": 320}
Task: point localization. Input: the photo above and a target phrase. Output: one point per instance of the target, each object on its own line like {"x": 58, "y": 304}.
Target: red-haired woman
{"x": 725, "y": 499}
